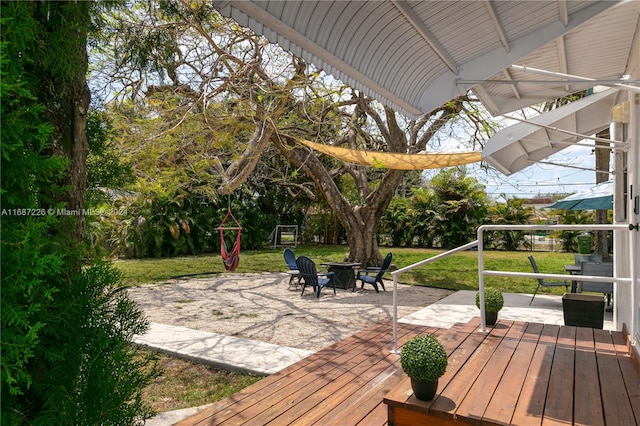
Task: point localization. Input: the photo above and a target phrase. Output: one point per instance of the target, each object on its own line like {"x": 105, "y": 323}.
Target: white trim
{"x": 568, "y": 132}
{"x": 525, "y": 69}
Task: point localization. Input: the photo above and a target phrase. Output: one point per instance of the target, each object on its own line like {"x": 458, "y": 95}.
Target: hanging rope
{"x": 230, "y": 258}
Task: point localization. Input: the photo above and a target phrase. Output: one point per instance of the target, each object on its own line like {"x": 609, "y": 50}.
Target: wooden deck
{"x": 518, "y": 373}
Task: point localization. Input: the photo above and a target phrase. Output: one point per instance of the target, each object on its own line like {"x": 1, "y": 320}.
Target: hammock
{"x": 393, "y": 160}
{"x": 230, "y": 258}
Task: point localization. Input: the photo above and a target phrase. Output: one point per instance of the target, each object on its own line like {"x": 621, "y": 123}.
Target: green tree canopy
{"x": 512, "y": 212}
{"x": 204, "y": 101}
{"x": 461, "y": 206}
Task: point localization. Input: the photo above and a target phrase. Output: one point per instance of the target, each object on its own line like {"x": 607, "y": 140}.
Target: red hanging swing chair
{"x": 230, "y": 258}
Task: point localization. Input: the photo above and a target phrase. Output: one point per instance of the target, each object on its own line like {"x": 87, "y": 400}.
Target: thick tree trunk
{"x": 363, "y": 244}
{"x": 361, "y": 221}
{"x": 65, "y": 93}
{"x": 78, "y": 154}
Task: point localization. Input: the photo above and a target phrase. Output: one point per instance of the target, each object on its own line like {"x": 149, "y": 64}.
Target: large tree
{"x": 213, "y": 98}
{"x": 361, "y": 216}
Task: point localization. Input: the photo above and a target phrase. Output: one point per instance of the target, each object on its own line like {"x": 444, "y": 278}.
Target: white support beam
{"x": 514, "y": 87}
{"x": 426, "y": 34}
{"x": 524, "y": 68}
{"x": 568, "y": 132}
{"x": 562, "y": 58}
{"x": 563, "y": 12}
{"x": 502, "y": 35}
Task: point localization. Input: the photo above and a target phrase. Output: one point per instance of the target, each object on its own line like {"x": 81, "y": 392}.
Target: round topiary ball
{"x": 423, "y": 358}
{"x": 493, "y": 300}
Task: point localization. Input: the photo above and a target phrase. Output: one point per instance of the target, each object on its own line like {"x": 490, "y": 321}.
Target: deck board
{"x": 627, "y": 368}
{"x": 614, "y": 393}
{"x": 271, "y": 388}
{"x": 587, "y": 392}
{"x": 503, "y": 403}
{"x": 485, "y": 385}
{"x": 558, "y": 407}
{"x": 530, "y": 406}
{"x": 515, "y": 373}
{"x": 286, "y": 406}
{"x": 456, "y": 390}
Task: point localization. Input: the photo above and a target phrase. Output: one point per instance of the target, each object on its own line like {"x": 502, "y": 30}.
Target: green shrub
{"x": 152, "y": 224}
{"x": 423, "y": 358}
{"x": 84, "y": 369}
{"x": 66, "y": 328}
{"x": 493, "y": 300}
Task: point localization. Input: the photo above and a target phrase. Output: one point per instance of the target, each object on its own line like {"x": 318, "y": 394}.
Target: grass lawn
{"x": 185, "y": 384}
{"x": 456, "y": 272}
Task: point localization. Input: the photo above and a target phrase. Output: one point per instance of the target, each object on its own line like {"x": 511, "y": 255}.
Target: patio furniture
{"x": 604, "y": 269}
{"x": 344, "y": 273}
{"x": 366, "y": 275}
{"x": 310, "y": 275}
{"x": 579, "y": 258}
{"x": 573, "y": 270}
{"x": 544, "y": 283}
{"x": 290, "y": 260}
{"x": 583, "y": 310}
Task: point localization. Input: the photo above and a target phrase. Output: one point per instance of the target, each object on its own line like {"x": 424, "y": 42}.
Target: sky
{"x": 545, "y": 179}
{"x": 539, "y": 179}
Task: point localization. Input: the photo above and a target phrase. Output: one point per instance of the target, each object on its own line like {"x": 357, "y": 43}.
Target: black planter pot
{"x": 491, "y": 318}
{"x": 424, "y": 390}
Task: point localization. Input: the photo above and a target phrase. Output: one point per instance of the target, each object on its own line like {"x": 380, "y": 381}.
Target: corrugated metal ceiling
{"x": 416, "y": 55}
{"x": 518, "y": 146}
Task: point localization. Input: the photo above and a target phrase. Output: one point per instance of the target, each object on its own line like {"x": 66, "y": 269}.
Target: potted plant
{"x": 493, "y": 302}
{"x": 424, "y": 360}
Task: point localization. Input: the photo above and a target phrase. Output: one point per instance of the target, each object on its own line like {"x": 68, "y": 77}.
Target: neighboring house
{"x": 538, "y": 205}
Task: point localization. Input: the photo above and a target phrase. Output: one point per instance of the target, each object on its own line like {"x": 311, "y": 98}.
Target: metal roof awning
{"x": 414, "y": 57}
{"x": 516, "y": 147}
{"x": 598, "y": 52}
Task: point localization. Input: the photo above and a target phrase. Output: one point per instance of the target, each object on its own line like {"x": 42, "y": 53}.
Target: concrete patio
{"x": 460, "y": 308}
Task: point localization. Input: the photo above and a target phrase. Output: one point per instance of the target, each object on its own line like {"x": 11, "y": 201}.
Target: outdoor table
{"x": 344, "y": 273}
{"x": 573, "y": 270}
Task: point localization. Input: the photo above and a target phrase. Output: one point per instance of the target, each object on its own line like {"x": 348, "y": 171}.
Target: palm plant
{"x": 461, "y": 206}
{"x": 573, "y": 217}
{"x": 510, "y": 213}
{"x": 397, "y": 222}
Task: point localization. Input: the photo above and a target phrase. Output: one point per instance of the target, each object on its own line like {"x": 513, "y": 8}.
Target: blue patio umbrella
{"x": 599, "y": 197}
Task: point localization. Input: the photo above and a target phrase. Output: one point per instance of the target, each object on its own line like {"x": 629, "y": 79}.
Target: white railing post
{"x": 395, "y": 350}
{"x": 483, "y": 315}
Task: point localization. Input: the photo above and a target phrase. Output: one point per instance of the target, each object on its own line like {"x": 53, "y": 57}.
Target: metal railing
{"x": 408, "y": 268}
{"x": 482, "y": 272}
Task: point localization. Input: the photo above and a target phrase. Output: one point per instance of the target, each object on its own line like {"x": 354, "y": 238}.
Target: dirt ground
{"x": 264, "y": 307}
